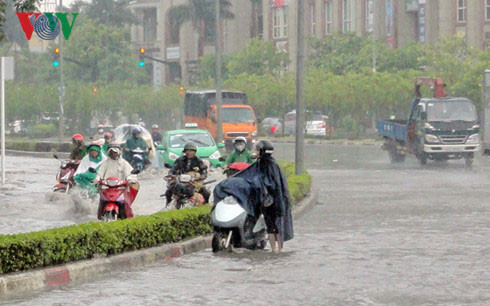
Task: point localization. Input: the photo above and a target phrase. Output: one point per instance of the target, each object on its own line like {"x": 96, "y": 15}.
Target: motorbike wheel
{"x": 218, "y": 242}
{"x": 109, "y": 216}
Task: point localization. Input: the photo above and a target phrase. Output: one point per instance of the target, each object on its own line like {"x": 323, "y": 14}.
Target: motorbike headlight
{"x": 172, "y": 156}
{"x": 215, "y": 155}
{"x": 432, "y": 138}
{"x": 254, "y": 134}
{"x": 475, "y": 138}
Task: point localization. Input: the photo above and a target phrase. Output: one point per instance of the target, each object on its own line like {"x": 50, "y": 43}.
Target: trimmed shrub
{"x": 77, "y": 242}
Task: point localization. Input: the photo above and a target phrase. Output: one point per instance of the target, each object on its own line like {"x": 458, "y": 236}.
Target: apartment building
{"x": 182, "y": 46}
{"x": 397, "y": 22}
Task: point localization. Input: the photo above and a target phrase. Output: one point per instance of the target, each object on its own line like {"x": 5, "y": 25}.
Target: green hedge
{"x": 31, "y": 145}
{"x": 77, "y": 242}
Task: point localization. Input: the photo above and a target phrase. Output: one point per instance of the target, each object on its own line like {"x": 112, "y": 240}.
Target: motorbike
{"x": 138, "y": 159}
{"x": 184, "y": 191}
{"x": 234, "y": 168}
{"x": 235, "y": 228}
{"x": 64, "y": 176}
{"x": 116, "y": 195}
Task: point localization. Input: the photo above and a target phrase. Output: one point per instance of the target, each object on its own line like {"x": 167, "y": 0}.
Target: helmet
{"x": 78, "y": 137}
{"x": 136, "y": 130}
{"x": 155, "y": 126}
{"x": 240, "y": 139}
{"x": 190, "y": 146}
{"x": 264, "y": 147}
{"x": 93, "y": 144}
{"x": 100, "y": 126}
{"x": 107, "y": 135}
{"x": 115, "y": 147}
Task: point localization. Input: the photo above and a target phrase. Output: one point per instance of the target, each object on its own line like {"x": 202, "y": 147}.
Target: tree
{"x": 113, "y": 12}
{"x": 88, "y": 47}
{"x": 202, "y": 15}
{"x": 20, "y": 6}
{"x": 259, "y": 58}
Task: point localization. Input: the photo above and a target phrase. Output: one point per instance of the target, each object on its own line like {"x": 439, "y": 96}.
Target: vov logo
{"x": 47, "y": 26}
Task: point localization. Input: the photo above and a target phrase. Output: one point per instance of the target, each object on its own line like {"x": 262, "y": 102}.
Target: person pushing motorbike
{"x": 135, "y": 142}
{"x": 189, "y": 163}
{"x": 114, "y": 166}
{"x": 79, "y": 150}
{"x": 241, "y": 153}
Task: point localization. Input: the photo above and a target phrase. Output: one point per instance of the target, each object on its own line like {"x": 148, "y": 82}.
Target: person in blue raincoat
{"x": 262, "y": 188}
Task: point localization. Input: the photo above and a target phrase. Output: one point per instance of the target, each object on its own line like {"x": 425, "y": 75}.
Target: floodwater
{"x": 381, "y": 235}
{"x": 27, "y": 203}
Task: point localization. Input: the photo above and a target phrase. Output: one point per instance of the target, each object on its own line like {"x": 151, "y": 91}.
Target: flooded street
{"x": 27, "y": 203}
{"x": 381, "y": 234}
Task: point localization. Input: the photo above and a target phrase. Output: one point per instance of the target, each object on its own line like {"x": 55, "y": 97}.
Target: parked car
{"x": 318, "y": 126}
{"x": 290, "y": 123}
{"x": 173, "y": 143}
{"x": 272, "y": 126}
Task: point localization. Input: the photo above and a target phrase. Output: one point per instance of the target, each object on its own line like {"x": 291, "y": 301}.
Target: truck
{"x": 438, "y": 128}
{"x": 238, "y": 117}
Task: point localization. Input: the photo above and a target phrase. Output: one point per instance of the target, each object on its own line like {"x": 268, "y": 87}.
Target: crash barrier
{"x": 57, "y": 246}
{"x": 34, "y": 146}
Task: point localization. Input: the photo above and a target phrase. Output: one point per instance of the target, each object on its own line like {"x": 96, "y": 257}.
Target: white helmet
{"x": 240, "y": 139}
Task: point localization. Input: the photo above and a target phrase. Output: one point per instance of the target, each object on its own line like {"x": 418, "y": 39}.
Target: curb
{"x": 86, "y": 270}
{"x": 62, "y": 155}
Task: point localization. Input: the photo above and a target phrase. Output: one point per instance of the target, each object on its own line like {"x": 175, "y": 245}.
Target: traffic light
{"x": 142, "y": 59}
{"x": 94, "y": 90}
{"x": 56, "y": 57}
{"x": 181, "y": 90}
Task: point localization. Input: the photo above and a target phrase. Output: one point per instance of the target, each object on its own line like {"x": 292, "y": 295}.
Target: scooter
{"x": 64, "y": 176}
{"x": 138, "y": 160}
{"x": 115, "y": 194}
{"x": 235, "y": 228}
{"x": 235, "y": 167}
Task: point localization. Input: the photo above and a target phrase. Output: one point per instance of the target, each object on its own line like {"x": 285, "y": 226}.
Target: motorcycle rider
{"x": 155, "y": 135}
{"x": 79, "y": 150}
{"x": 241, "y": 153}
{"x": 135, "y": 142}
{"x": 100, "y": 133}
{"x": 107, "y": 141}
{"x": 87, "y": 170}
{"x": 114, "y": 166}
{"x": 189, "y": 163}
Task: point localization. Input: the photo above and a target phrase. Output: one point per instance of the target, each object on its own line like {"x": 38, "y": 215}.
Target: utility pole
{"x": 219, "y": 98}
{"x": 61, "y": 91}
{"x": 300, "y": 117}
{"x": 2, "y": 111}
{"x": 373, "y": 36}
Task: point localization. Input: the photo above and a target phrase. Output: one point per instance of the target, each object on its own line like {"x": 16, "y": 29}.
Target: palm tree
{"x": 202, "y": 14}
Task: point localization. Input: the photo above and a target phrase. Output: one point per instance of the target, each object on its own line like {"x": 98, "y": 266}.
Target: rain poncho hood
{"x": 99, "y": 157}
{"x": 250, "y": 187}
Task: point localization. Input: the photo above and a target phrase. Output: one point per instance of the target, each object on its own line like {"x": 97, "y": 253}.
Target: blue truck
{"x": 438, "y": 128}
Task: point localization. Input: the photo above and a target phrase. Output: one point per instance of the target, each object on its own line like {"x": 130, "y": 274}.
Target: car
{"x": 272, "y": 126}
{"x": 318, "y": 126}
{"x": 173, "y": 143}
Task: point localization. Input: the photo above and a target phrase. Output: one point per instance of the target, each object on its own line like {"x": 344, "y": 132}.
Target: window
{"x": 369, "y": 15}
{"x": 149, "y": 24}
{"x": 328, "y": 17}
{"x": 487, "y": 9}
{"x": 280, "y": 17}
{"x": 313, "y": 18}
{"x": 461, "y": 10}
{"x": 347, "y": 14}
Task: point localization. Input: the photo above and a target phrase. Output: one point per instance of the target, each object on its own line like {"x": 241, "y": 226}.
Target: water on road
{"x": 381, "y": 234}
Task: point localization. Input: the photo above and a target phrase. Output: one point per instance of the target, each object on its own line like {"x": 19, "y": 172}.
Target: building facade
{"x": 397, "y": 22}
{"x": 182, "y": 46}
